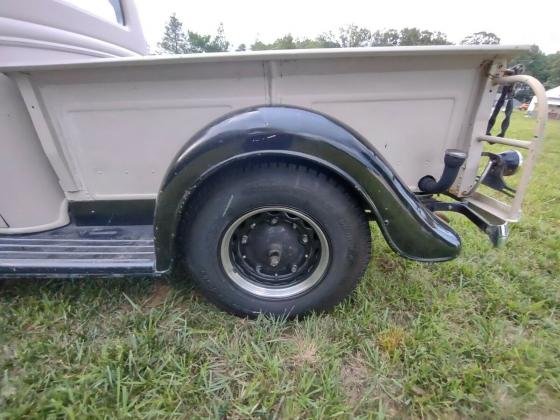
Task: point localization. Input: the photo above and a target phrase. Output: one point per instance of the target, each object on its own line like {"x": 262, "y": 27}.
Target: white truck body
{"x": 107, "y": 129}
{"x": 86, "y": 118}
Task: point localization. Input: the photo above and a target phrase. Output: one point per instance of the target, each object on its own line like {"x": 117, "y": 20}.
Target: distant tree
{"x": 535, "y": 63}
{"x": 174, "y": 40}
{"x": 544, "y": 67}
{"x": 415, "y": 36}
{"x": 346, "y": 36}
{"x": 553, "y": 68}
{"x": 481, "y": 38}
{"x": 219, "y": 42}
{"x": 407, "y": 37}
{"x": 261, "y": 46}
{"x": 199, "y": 43}
{"x": 386, "y": 38}
{"x": 319, "y": 42}
{"x": 241, "y": 47}
{"x": 284, "y": 43}
{"x": 355, "y": 36}
{"x": 288, "y": 42}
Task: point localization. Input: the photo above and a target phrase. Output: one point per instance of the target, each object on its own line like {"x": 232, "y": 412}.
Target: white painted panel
{"x": 116, "y": 123}
{"x": 30, "y": 195}
{"x": 403, "y": 145}
{"x": 117, "y": 157}
{"x": 121, "y": 129}
{"x": 409, "y": 108}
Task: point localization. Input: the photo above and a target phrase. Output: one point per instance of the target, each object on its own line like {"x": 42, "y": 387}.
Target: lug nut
{"x": 294, "y": 268}
{"x": 304, "y": 239}
{"x": 274, "y": 220}
{"x": 244, "y": 239}
{"x": 252, "y": 226}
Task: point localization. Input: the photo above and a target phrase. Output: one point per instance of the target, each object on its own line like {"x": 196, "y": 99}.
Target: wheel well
{"x": 351, "y": 188}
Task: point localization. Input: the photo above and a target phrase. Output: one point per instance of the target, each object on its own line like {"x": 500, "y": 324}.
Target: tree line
{"x": 178, "y": 40}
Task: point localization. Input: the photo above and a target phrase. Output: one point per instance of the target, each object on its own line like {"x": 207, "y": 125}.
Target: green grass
{"x": 478, "y": 336}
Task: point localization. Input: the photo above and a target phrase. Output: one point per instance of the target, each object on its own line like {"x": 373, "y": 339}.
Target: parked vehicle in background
{"x": 553, "y": 103}
{"x": 257, "y": 171}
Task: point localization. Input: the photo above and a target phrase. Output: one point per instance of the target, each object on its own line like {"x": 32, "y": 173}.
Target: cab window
{"x": 109, "y": 10}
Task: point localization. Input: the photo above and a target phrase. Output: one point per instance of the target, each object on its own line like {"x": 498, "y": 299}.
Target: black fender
{"x": 408, "y": 226}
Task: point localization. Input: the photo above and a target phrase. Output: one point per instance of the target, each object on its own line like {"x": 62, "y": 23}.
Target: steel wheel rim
{"x": 245, "y": 278}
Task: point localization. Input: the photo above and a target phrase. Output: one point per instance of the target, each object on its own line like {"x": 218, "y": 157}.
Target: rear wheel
{"x": 275, "y": 238}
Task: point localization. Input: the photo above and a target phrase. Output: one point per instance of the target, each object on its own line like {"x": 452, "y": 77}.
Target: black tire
{"x": 216, "y": 208}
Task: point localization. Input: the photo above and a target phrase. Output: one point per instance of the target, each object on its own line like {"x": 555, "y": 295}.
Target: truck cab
{"x": 54, "y": 31}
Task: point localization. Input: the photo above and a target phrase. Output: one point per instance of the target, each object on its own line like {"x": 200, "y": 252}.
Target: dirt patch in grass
{"x": 547, "y": 407}
{"x": 355, "y": 377}
{"x": 160, "y": 293}
{"x": 386, "y": 264}
{"x": 365, "y": 390}
{"x": 305, "y": 352}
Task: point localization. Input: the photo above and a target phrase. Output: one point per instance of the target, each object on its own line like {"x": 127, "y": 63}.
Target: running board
{"x": 76, "y": 251}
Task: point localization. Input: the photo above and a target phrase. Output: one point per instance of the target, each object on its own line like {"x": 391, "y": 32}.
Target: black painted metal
{"x": 288, "y": 132}
{"x": 457, "y": 207}
{"x": 453, "y": 160}
{"x": 491, "y": 229}
{"x": 74, "y": 251}
{"x": 507, "y": 96}
{"x": 281, "y": 235}
{"x": 112, "y": 212}
{"x": 502, "y": 164}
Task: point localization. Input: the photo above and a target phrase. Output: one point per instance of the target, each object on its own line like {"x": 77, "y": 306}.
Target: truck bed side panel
{"x": 120, "y": 127}
{"x": 30, "y": 195}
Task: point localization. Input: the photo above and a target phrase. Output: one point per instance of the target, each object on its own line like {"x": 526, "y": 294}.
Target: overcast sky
{"x": 514, "y": 21}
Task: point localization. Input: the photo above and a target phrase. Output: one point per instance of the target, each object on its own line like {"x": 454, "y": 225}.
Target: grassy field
{"x": 478, "y": 336}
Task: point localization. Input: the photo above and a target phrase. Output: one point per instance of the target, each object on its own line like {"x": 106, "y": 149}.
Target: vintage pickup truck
{"x": 258, "y": 172}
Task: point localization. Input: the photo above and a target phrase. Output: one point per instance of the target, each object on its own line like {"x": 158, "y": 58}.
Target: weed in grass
{"x": 391, "y": 339}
